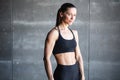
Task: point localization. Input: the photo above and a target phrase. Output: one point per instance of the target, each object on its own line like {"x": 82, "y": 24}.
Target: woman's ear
{"x": 61, "y": 14}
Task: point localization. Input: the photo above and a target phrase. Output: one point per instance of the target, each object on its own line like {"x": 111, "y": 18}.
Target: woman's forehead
{"x": 73, "y": 10}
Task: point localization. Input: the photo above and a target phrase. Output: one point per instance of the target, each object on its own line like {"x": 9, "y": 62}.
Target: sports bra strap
{"x": 58, "y": 30}
{"x": 72, "y": 33}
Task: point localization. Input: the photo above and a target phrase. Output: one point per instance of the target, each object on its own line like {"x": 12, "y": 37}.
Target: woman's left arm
{"x": 79, "y": 55}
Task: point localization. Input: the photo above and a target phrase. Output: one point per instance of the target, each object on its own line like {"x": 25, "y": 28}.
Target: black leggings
{"x": 65, "y": 72}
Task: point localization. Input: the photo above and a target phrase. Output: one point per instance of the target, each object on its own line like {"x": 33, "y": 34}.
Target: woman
{"x": 63, "y": 43}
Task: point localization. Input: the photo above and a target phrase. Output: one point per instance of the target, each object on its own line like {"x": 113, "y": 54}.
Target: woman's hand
{"x": 51, "y": 79}
{"x": 83, "y": 78}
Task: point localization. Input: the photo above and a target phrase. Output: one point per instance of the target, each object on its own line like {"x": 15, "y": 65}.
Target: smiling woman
{"x": 63, "y": 43}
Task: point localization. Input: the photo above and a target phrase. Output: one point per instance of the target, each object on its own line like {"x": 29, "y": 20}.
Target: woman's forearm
{"x": 48, "y": 68}
{"x": 81, "y": 65}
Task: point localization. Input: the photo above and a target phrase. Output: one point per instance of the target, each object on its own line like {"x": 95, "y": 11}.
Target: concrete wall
{"x": 25, "y": 23}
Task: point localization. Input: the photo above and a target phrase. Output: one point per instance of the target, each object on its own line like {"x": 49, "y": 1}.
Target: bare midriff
{"x": 67, "y": 58}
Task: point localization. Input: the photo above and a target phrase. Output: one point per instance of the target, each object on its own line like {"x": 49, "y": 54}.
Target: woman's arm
{"x": 79, "y": 56}
{"x": 49, "y": 44}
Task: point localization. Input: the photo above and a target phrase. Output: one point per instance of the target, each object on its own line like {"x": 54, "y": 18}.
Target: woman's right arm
{"x": 49, "y": 44}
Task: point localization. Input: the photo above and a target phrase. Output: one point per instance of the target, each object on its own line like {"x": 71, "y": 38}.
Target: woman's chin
{"x": 70, "y": 23}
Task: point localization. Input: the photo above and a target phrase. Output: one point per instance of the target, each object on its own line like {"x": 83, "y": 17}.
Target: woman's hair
{"x": 63, "y": 8}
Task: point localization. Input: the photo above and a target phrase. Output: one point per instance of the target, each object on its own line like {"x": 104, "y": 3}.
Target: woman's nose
{"x": 71, "y": 17}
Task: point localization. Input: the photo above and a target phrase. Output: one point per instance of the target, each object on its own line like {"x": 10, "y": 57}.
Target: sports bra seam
{"x": 63, "y": 52}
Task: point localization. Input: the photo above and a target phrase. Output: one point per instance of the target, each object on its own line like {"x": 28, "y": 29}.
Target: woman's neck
{"x": 63, "y": 26}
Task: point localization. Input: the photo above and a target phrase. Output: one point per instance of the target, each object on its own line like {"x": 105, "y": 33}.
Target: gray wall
{"x": 25, "y": 23}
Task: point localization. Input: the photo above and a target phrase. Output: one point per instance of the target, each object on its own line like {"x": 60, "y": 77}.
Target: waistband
{"x": 67, "y": 67}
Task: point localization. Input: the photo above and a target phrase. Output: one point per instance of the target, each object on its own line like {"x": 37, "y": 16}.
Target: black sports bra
{"x": 62, "y": 45}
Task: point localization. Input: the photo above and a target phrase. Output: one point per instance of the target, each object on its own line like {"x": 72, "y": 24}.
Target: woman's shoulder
{"x": 75, "y": 32}
{"x": 54, "y": 30}
{"x": 53, "y": 33}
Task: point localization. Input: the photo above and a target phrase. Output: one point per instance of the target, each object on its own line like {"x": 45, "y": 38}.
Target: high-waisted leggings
{"x": 67, "y": 72}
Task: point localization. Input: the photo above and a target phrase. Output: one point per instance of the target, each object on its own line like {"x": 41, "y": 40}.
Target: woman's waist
{"x": 72, "y": 67}
{"x": 67, "y": 63}
{"x": 65, "y": 59}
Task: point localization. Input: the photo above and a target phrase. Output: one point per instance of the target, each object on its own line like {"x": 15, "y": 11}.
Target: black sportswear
{"x": 63, "y": 45}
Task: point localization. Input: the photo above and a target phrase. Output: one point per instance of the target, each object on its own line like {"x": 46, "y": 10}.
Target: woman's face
{"x": 69, "y": 16}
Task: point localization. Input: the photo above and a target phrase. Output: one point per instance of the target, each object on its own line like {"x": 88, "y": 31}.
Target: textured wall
{"x": 25, "y": 23}
{"x": 104, "y": 40}
{"x": 5, "y": 40}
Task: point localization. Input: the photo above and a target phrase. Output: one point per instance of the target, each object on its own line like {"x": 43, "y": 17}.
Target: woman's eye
{"x": 74, "y": 15}
{"x": 68, "y": 13}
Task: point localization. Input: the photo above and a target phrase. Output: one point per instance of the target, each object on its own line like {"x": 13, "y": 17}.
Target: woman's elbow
{"x": 46, "y": 59}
